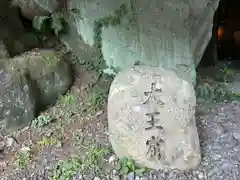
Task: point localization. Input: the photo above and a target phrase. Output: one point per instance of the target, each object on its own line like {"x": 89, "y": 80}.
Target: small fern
{"x": 57, "y": 22}
{"x": 41, "y": 121}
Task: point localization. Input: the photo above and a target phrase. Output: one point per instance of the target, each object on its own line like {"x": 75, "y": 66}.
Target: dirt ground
{"x": 74, "y": 131}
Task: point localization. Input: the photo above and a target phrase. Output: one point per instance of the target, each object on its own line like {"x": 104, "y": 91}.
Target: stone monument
{"x": 151, "y": 118}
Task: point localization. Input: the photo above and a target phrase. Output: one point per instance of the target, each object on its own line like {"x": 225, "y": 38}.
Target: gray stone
{"x": 3, "y": 52}
{"x": 31, "y": 8}
{"x": 50, "y": 72}
{"x": 156, "y": 33}
{"x": 149, "y": 107}
{"x": 17, "y": 101}
{"x": 12, "y": 31}
{"x": 220, "y": 149}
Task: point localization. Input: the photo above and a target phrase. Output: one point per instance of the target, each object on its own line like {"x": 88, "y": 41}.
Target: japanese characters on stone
{"x": 155, "y": 144}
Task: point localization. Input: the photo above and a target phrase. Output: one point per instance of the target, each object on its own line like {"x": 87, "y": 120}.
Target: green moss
{"x": 114, "y": 19}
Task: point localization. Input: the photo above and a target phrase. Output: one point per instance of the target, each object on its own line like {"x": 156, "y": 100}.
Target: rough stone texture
{"x": 12, "y": 32}
{"x": 170, "y": 34}
{"x": 3, "y": 52}
{"x": 17, "y": 101}
{"x": 219, "y": 131}
{"x": 31, "y": 8}
{"x": 50, "y": 72}
{"x": 9, "y": 17}
{"x": 142, "y": 93}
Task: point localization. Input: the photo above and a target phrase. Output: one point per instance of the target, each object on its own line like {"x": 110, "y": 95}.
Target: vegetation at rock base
{"x": 41, "y": 121}
{"x": 91, "y": 161}
{"x": 126, "y": 166}
{"x": 22, "y": 158}
{"x": 54, "y": 22}
{"x": 217, "y": 89}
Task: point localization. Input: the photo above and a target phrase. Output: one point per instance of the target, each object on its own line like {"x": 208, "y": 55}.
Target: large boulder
{"x": 17, "y": 101}
{"x": 151, "y": 118}
{"x": 50, "y": 72}
{"x": 155, "y": 33}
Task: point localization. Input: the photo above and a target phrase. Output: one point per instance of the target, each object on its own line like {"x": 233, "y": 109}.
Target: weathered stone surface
{"x": 12, "y": 32}
{"x": 50, "y": 72}
{"x": 9, "y": 17}
{"x": 17, "y": 101}
{"x": 26, "y": 42}
{"x": 155, "y": 33}
{"x": 142, "y": 94}
{"x": 219, "y": 131}
{"x": 31, "y": 8}
{"x": 3, "y": 52}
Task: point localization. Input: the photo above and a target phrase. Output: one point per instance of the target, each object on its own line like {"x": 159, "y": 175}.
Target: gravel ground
{"x": 219, "y": 130}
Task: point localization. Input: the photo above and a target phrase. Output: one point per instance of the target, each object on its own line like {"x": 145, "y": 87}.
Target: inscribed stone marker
{"x": 151, "y": 118}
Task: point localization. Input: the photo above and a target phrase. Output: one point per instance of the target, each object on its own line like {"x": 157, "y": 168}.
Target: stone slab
{"x": 151, "y": 118}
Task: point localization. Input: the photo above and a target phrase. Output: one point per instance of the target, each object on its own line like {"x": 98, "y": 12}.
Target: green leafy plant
{"x": 92, "y": 161}
{"x": 96, "y": 99}
{"x": 212, "y": 91}
{"x": 56, "y": 20}
{"x": 49, "y": 141}
{"x": 66, "y": 170}
{"x": 94, "y": 157}
{"x": 78, "y": 137}
{"x": 226, "y": 74}
{"x": 41, "y": 121}
{"x": 69, "y": 105}
{"x": 126, "y": 166}
{"x": 114, "y": 19}
{"x": 22, "y": 159}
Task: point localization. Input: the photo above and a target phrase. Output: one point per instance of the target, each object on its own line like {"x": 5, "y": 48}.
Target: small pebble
{"x": 96, "y": 178}
{"x": 200, "y": 175}
{"x": 99, "y": 113}
{"x": 137, "y": 178}
{"x": 10, "y": 141}
{"x": 112, "y": 159}
{"x": 116, "y": 177}
{"x": 114, "y": 171}
{"x": 25, "y": 149}
{"x": 3, "y": 164}
{"x": 130, "y": 176}
{"x": 80, "y": 177}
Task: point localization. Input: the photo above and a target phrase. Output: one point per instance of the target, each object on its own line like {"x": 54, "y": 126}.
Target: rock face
{"x": 17, "y": 101}
{"x": 3, "y": 52}
{"x": 31, "y": 8}
{"x": 151, "y": 118}
{"x": 50, "y": 73}
{"x": 154, "y": 33}
{"x": 28, "y": 84}
{"x": 12, "y": 32}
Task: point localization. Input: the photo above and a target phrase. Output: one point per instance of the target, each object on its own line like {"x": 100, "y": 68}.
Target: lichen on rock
{"x": 50, "y": 73}
{"x": 17, "y": 101}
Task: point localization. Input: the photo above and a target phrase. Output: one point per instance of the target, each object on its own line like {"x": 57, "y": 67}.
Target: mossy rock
{"x": 50, "y": 73}
{"x": 17, "y": 102}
